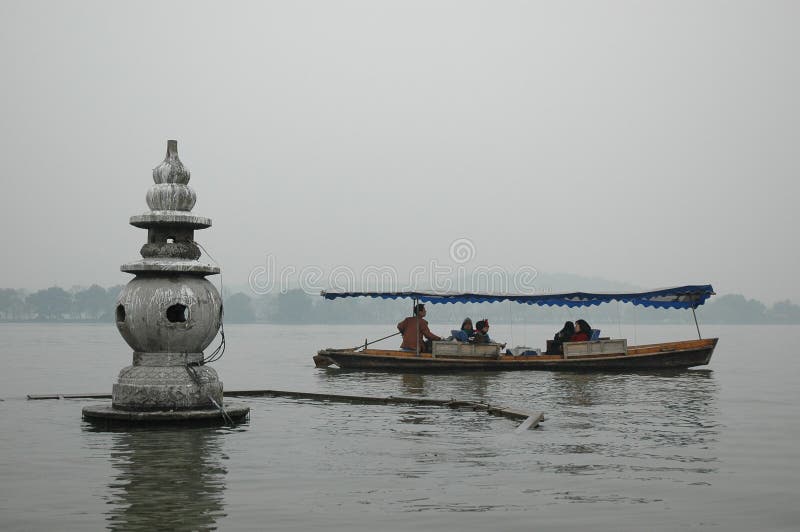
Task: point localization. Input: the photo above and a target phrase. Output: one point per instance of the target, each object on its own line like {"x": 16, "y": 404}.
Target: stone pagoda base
{"x": 108, "y": 416}
{"x": 166, "y": 387}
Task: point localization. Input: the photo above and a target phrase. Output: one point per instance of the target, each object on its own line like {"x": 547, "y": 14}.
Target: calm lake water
{"x": 705, "y": 449}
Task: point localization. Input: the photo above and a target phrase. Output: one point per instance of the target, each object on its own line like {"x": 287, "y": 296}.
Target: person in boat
{"x": 466, "y": 333}
{"x": 564, "y": 335}
{"x": 482, "y": 334}
{"x": 415, "y": 331}
{"x": 583, "y": 332}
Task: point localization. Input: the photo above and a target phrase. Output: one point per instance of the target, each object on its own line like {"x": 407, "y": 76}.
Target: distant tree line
{"x": 56, "y": 304}
{"x": 297, "y": 307}
{"x": 96, "y": 303}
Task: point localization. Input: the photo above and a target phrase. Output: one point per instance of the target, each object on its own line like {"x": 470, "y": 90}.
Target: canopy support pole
{"x": 416, "y": 320}
{"x": 695, "y": 324}
{"x": 511, "y": 322}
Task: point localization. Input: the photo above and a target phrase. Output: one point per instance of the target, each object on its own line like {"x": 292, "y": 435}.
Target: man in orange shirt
{"x": 415, "y": 330}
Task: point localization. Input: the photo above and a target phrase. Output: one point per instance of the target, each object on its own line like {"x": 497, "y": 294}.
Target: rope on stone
{"x": 225, "y": 415}
{"x": 193, "y": 374}
{"x": 220, "y": 349}
{"x": 196, "y": 378}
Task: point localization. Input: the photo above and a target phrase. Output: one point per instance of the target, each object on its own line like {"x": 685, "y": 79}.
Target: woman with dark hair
{"x": 564, "y": 335}
{"x": 583, "y": 332}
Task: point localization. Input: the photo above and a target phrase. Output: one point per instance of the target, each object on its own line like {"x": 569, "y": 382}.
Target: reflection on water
{"x": 413, "y": 383}
{"x": 576, "y": 388}
{"x": 643, "y": 427}
{"x": 167, "y": 479}
{"x": 588, "y": 389}
{"x": 468, "y": 385}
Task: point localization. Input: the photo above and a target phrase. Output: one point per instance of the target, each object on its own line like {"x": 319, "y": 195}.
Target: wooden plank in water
{"x": 531, "y": 423}
{"x": 339, "y": 397}
{"x": 35, "y": 397}
{"x": 531, "y": 419}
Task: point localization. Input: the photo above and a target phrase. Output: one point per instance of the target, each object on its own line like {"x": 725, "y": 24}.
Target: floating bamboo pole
{"x": 530, "y": 419}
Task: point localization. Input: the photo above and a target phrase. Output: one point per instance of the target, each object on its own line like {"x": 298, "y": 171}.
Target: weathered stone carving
{"x": 169, "y": 313}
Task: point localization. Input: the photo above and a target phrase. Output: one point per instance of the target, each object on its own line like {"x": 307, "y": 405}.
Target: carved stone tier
{"x": 171, "y": 196}
{"x": 166, "y": 359}
{"x": 167, "y": 388}
{"x": 187, "y": 266}
{"x": 172, "y": 218}
{"x": 168, "y": 314}
{"x": 170, "y": 250}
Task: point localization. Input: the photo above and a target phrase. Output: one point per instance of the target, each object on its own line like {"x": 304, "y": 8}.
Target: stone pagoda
{"x": 168, "y": 314}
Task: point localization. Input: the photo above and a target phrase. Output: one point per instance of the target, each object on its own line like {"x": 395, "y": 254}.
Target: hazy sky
{"x": 654, "y": 143}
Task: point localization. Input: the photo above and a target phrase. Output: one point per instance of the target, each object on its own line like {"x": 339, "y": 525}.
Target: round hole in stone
{"x": 177, "y": 313}
{"x": 120, "y": 313}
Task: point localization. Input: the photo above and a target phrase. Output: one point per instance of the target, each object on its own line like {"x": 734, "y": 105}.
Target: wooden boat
{"x": 599, "y": 355}
{"x": 669, "y": 355}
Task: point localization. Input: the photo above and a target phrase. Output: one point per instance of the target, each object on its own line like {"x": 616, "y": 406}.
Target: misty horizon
{"x": 649, "y": 145}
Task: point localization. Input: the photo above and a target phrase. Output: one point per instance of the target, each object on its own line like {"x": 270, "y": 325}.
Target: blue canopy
{"x": 690, "y": 296}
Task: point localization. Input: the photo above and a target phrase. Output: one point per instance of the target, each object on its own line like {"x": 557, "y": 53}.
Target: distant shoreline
{"x": 432, "y": 323}
{"x": 96, "y": 304}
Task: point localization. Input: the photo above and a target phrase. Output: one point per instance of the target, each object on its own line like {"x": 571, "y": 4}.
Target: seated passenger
{"x": 466, "y": 333}
{"x": 416, "y": 334}
{"x": 564, "y": 335}
{"x": 582, "y": 332}
{"x": 482, "y": 334}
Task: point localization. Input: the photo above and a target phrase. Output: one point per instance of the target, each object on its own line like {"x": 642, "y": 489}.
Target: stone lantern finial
{"x": 171, "y": 191}
{"x": 171, "y": 169}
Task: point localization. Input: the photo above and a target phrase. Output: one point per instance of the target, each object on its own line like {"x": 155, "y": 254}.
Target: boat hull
{"x": 672, "y": 355}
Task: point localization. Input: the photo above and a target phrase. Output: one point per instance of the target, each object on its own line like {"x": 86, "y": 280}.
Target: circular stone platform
{"x": 106, "y": 414}
{"x": 170, "y": 266}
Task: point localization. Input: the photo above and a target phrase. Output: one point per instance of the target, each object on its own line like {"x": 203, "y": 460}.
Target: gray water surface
{"x": 705, "y": 449}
